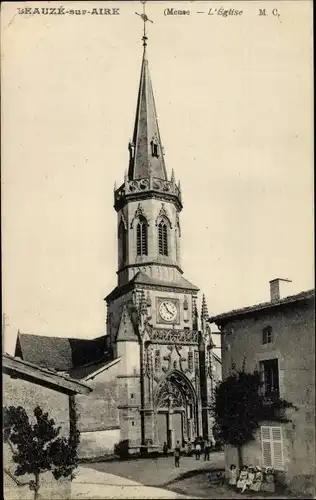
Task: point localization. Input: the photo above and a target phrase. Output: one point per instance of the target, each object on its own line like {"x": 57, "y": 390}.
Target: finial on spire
{"x": 145, "y": 18}
{"x": 172, "y": 176}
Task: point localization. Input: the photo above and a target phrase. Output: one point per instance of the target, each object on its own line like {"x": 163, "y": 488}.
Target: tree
{"x": 38, "y": 448}
{"x": 240, "y": 406}
{"x": 237, "y": 408}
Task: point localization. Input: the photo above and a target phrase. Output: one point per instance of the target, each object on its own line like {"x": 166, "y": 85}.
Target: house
{"x": 277, "y": 338}
{"x": 28, "y": 385}
{"x": 88, "y": 361}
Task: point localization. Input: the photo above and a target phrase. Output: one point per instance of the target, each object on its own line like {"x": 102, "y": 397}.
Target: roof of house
{"x": 217, "y": 357}
{"x": 302, "y": 296}
{"x": 17, "y": 368}
{"x": 91, "y": 370}
{"x": 60, "y": 353}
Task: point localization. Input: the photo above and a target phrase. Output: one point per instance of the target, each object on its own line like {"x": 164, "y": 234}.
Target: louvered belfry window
{"x": 123, "y": 240}
{"x": 163, "y": 238}
{"x": 272, "y": 447}
{"x": 142, "y": 237}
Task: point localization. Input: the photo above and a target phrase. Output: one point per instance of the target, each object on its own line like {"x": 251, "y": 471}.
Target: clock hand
{"x": 170, "y": 312}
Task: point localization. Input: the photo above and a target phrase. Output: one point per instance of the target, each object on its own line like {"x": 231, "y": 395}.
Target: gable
{"x": 59, "y": 353}
{"x": 126, "y": 331}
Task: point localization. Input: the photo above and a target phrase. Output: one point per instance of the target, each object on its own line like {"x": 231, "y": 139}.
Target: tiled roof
{"x": 59, "y": 353}
{"x": 16, "y": 367}
{"x": 87, "y": 371}
{"x": 180, "y": 282}
{"x": 309, "y": 294}
{"x": 142, "y": 278}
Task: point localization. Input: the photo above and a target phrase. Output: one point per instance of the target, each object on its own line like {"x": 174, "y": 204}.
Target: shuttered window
{"x": 272, "y": 447}
{"x": 163, "y": 238}
{"x": 142, "y": 237}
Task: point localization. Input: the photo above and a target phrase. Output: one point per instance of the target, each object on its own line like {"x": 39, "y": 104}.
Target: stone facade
{"x": 167, "y": 368}
{"x": 292, "y": 343}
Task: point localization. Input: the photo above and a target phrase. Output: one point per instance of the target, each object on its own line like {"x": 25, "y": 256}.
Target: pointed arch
{"x": 175, "y": 382}
{"x": 142, "y": 236}
{"x": 177, "y": 237}
{"x": 122, "y": 238}
{"x": 164, "y": 225}
{"x": 163, "y": 243}
{"x": 163, "y": 214}
{"x": 139, "y": 212}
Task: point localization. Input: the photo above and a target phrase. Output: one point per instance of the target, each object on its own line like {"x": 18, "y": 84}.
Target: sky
{"x": 234, "y": 102}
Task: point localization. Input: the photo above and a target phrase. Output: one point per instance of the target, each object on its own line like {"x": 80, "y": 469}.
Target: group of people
{"x": 252, "y": 478}
{"x": 190, "y": 448}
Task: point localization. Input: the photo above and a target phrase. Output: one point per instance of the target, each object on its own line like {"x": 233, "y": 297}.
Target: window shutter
{"x": 144, "y": 239}
{"x": 272, "y": 447}
{"x": 139, "y": 239}
{"x": 277, "y": 446}
{"x": 266, "y": 447}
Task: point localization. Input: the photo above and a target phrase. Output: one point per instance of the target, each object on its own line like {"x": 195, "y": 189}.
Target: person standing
{"x": 207, "y": 450}
{"x": 233, "y": 474}
{"x": 165, "y": 449}
{"x": 197, "y": 450}
{"x": 177, "y": 453}
{"x": 189, "y": 448}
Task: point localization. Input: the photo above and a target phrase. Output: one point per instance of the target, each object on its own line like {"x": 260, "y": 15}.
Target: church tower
{"x": 152, "y": 321}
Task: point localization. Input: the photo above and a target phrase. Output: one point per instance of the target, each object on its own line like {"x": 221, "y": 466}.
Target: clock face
{"x": 168, "y": 311}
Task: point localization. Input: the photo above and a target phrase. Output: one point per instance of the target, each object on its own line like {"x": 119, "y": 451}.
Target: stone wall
{"x": 28, "y": 395}
{"x": 98, "y": 444}
{"x": 98, "y": 410}
{"x": 99, "y": 414}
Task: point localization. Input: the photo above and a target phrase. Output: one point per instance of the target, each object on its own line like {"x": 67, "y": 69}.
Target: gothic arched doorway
{"x": 175, "y": 410}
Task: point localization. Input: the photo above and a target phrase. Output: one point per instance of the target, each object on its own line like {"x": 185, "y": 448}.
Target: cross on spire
{"x": 145, "y": 18}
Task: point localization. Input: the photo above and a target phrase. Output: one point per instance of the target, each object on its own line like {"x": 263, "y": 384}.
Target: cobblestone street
{"x": 158, "y": 471}
{"x": 190, "y": 479}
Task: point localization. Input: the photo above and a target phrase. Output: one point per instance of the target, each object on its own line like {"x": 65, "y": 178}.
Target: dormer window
{"x": 154, "y": 147}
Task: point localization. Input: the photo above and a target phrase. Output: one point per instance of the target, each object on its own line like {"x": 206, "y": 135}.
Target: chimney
{"x": 275, "y": 288}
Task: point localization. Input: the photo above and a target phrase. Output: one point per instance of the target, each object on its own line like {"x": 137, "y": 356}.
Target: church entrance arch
{"x": 175, "y": 407}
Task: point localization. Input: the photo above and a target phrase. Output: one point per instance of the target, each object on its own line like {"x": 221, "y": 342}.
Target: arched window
{"x": 142, "y": 237}
{"x": 163, "y": 238}
{"x": 123, "y": 241}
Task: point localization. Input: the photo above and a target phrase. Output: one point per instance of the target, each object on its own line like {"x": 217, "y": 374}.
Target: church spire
{"x": 146, "y": 153}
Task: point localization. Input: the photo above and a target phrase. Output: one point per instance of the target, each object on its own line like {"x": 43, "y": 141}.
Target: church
{"x": 157, "y": 356}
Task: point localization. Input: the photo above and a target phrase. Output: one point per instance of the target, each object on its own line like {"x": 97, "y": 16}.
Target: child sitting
{"x": 257, "y": 482}
{"x": 233, "y": 475}
{"x": 250, "y": 478}
{"x": 241, "y": 483}
{"x": 268, "y": 483}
